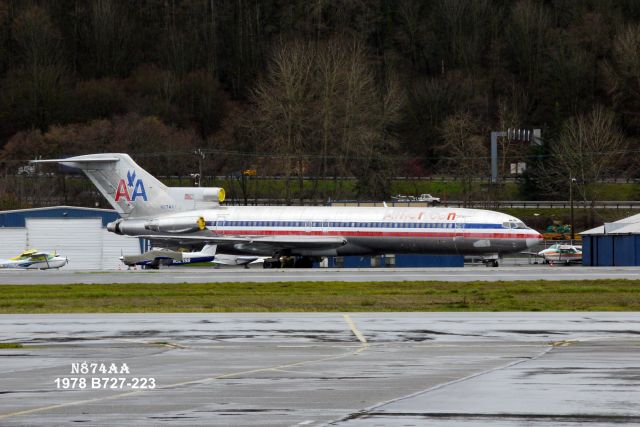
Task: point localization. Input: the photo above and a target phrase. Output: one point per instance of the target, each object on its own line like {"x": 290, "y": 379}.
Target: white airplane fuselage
{"x": 187, "y": 216}
{"x": 365, "y": 230}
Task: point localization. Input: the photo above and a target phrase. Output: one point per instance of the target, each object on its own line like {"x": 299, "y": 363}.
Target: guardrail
{"x": 504, "y": 204}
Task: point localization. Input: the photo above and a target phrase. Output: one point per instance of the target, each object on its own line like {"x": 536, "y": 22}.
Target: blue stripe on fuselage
{"x": 354, "y": 224}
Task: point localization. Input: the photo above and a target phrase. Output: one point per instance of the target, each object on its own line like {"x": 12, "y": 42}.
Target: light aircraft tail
{"x": 134, "y": 192}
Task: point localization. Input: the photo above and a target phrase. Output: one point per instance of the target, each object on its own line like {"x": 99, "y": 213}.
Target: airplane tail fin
{"x": 131, "y": 190}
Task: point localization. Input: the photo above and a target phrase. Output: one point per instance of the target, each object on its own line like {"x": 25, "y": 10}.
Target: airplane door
{"x": 458, "y": 239}
{"x": 325, "y": 226}
{"x": 459, "y": 228}
{"x": 308, "y": 225}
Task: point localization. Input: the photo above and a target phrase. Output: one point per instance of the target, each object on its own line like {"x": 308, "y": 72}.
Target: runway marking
{"x": 564, "y": 343}
{"x": 185, "y": 383}
{"x": 355, "y": 329}
{"x": 448, "y": 383}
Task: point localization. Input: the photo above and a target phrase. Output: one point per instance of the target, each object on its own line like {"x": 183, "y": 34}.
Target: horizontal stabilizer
{"x": 79, "y": 159}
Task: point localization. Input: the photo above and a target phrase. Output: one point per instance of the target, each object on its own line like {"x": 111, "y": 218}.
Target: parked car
{"x": 428, "y": 198}
{"x": 404, "y": 198}
{"x": 421, "y": 198}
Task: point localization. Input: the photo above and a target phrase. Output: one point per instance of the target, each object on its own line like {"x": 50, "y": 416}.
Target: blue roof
{"x": 17, "y": 218}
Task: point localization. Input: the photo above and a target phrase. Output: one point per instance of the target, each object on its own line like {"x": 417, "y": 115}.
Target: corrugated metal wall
{"x": 80, "y": 240}
{"x": 611, "y": 250}
{"x": 77, "y": 233}
{"x": 13, "y": 241}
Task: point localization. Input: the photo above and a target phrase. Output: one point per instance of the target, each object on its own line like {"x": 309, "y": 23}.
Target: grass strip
{"x": 9, "y": 345}
{"x": 596, "y": 295}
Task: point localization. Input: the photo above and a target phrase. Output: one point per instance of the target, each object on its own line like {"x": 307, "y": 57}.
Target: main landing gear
{"x": 288, "y": 262}
{"x": 491, "y": 262}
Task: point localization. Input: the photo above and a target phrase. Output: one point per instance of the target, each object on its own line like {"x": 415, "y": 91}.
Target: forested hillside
{"x": 363, "y": 88}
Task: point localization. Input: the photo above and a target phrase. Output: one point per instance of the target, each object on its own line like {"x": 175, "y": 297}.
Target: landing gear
{"x": 272, "y": 263}
{"x": 288, "y": 262}
{"x": 493, "y": 262}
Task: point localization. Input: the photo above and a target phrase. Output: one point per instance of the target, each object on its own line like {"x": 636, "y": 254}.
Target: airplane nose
{"x": 534, "y": 240}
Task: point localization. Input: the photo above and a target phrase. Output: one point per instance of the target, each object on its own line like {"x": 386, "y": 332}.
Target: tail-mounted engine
{"x": 176, "y": 225}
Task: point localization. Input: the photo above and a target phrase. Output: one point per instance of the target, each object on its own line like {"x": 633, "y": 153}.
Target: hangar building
{"x": 77, "y": 233}
{"x": 613, "y": 244}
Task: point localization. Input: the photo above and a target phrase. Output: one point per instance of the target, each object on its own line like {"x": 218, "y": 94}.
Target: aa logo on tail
{"x": 136, "y": 186}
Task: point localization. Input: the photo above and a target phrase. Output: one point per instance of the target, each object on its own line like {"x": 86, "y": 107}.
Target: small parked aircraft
{"x": 561, "y": 254}
{"x": 33, "y": 259}
{"x": 163, "y": 256}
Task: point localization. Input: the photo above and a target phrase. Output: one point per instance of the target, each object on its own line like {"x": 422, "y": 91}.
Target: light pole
{"x": 571, "y": 181}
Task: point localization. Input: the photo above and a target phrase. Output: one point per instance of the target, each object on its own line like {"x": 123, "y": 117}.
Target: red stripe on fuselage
{"x": 374, "y": 234}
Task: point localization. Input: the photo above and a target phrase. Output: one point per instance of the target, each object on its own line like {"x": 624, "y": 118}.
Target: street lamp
{"x": 571, "y": 181}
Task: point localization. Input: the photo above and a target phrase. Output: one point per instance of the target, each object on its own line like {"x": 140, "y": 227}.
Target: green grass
{"x": 9, "y": 345}
{"x": 603, "y": 295}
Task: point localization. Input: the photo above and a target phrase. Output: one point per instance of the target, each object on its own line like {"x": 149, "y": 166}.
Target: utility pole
{"x": 201, "y": 155}
{"x": 571, "y": 181}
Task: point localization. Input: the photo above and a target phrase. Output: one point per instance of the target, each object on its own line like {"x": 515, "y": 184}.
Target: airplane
{"x": 561, "y": 253}
{"x": 32, "y": 259}
{"x": 195, "y": 216}
{"x": 165, "y": 256}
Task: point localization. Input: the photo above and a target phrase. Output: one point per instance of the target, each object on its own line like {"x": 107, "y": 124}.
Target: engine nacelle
{"x": 176, "y": 225}
{"x": 197, "y": 197}
{"x": 114, "y": 227}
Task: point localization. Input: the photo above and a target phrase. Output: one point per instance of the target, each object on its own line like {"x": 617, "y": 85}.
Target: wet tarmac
{"x": 364, "y": 369}
{"x": 210, "y": 275}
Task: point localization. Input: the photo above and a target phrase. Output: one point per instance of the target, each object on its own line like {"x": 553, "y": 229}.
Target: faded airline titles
{"x": 419, "y": 216}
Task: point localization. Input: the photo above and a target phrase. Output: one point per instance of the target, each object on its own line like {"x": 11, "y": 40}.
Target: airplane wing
{"x": 279, "y": 242}
{"x": 532, "y": 253}
{"x": 40, "y": 254}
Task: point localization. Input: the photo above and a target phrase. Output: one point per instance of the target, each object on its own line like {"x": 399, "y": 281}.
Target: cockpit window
{"x": 515, "y": 225}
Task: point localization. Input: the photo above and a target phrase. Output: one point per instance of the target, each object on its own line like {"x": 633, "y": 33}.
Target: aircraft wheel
{"x": 271, "y": 263}
{"x": 495, "y": 263}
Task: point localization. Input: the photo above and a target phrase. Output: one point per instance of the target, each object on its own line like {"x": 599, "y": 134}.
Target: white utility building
{"x": 78, "y": 233}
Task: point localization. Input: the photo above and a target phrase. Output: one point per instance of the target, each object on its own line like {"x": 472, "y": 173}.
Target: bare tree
{"x": 282, "y": 102}
{"x": 320, "y": 109}
{"x": 34, "y": 90}
{"x": 464, "y": 150}
{"x": 526, "y": 35}
{"x": 623, "y": 74}
{"x": 588, "y": 149}
{"x": 110, "y": 34}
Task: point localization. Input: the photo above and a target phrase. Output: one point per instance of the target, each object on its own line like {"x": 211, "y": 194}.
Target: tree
{"x": 527, "y": 36}
{"x": 202, "y": 100}
{"x": 108, "y": 35}
{"x": 588, "y": 149}
{"x": 622, "y": 75}
{"x": 464, "y": 150}
{"x": 34, "y": 90}
{"x": 281, "y": 114}
{"x": 322, "y": 101}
